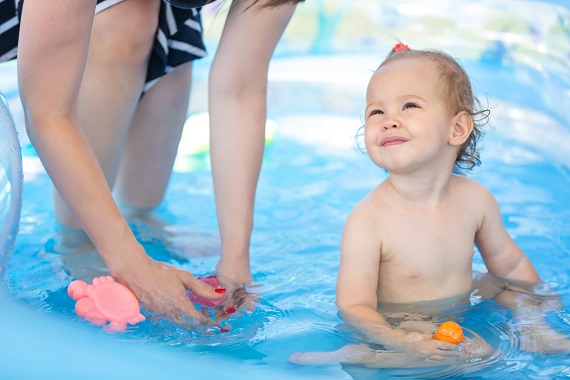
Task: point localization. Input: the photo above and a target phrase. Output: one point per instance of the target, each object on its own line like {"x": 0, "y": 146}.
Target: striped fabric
{"x": 9, "y": 27}
{"x": 178, "y": 39}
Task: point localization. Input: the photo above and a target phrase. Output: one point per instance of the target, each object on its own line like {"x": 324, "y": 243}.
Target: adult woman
{"x": 101, "y": 116}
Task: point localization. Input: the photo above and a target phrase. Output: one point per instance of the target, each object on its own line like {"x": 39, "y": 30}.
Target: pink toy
{"x": 212, "y": 281}
{"x": 105, "y": 301}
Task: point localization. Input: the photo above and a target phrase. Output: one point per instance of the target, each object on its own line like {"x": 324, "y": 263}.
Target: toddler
{"x": 411, "y": 240}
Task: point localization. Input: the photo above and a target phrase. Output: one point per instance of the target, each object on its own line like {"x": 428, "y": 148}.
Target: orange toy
{"x": 449, "y": 332}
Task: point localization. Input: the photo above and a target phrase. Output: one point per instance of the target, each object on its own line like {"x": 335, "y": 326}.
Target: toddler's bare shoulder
{"x": 371, "y": 208}
{"x": 470, "y": 188}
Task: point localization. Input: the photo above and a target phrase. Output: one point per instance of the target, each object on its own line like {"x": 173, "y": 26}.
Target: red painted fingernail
{"x": 224, "y": 330}
{"x": 220, "y": 290}
{"x": 231, "y": 310}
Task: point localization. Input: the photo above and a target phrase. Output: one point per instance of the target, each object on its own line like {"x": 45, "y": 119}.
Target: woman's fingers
{"x": 202, "y": 317}
{"x": 200, "y": 288}
{"x": 170, "y": 297}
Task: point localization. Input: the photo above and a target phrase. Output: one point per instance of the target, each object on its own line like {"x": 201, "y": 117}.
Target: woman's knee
{"x": 125, "y": 32}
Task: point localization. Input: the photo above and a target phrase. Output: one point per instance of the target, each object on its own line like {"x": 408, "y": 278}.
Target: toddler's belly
{"x": 425, "y": 307}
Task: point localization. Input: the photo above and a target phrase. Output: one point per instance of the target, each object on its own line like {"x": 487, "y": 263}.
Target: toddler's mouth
{"x": 392, "y": 140}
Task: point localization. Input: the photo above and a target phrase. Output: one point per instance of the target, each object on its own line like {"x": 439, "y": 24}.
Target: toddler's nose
{"x": 390, "y": 124}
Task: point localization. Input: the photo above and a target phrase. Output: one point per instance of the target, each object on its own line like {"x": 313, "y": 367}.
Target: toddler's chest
{"x": 427, "y": 240}
{"x": 426, "y": 259}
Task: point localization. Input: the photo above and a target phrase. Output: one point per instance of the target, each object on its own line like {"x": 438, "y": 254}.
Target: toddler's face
{"x": 408, "y": 123}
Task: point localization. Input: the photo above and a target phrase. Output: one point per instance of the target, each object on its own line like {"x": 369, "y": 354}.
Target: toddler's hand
{"x": 475, "y": 348}
{"x": 425, "y": 346}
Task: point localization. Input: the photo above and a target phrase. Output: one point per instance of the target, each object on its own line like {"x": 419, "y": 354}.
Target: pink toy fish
{"x": 105, "y": 301}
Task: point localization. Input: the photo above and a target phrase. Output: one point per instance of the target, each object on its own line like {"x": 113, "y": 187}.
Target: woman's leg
{"x": 237, "y": 102}
{"x": 153, "y": 140}
{"x": 119, "y": 48}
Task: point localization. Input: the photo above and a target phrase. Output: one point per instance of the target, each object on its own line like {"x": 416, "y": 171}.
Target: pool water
{"x": 313, "y": 174}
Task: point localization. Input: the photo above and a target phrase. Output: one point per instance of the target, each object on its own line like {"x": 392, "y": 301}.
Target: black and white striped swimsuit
{"x": 178, "y": 38}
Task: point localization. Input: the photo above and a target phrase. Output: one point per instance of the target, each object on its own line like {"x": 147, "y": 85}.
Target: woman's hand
{"x": 239, "y": 298}
{"x": 161, "y": 288}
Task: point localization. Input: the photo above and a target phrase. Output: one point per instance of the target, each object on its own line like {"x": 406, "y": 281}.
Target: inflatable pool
{"x": 518, "y": 57}
{"x": 11, "y": 179}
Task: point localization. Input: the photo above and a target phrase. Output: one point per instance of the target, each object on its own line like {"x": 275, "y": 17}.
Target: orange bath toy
{"x": 449, "y": 332}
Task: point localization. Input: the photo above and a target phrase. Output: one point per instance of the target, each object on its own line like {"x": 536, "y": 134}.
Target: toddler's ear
{"x": 461, "y": 128}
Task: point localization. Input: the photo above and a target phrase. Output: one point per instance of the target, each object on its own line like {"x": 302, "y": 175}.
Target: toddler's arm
{"x": 502, "y": 256}
{"x": 506, "y": 260}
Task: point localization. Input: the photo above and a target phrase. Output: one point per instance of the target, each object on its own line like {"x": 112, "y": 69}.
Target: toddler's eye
{"x": 376, "y": 112}
{"x": 410, "y": 105}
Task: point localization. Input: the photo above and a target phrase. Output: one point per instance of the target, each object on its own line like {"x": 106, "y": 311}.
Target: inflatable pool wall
{"x": 11, "y": 179}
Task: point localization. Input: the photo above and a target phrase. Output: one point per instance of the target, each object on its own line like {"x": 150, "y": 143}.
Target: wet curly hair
{"x": 459, "y": 92}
